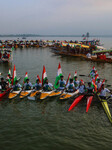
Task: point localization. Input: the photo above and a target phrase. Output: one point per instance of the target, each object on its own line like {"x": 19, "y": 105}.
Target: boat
{"x": 55, "y": 93}
{"x": 14, "y": 94}
{"x": 106, "y": 108}
{"x": 76, "y": 101}
{"x": 2, "y": 94}
{"x": 6, "y": 55}
{"x": 45, "y": 94}
{"x": 24, "y": 94}
{"x": 67, "y": 95}
{"x": 34, "y": 94}
{"x": 89, "y": 100}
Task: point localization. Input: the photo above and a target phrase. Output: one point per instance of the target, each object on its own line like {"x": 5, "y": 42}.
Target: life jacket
{"x": 28, "y": 87}
{"x": 90, "y": 89}
{"x": 76, "y": 84}
{"x": 47, "y": 88}
{"x": 38, "y": 87}
{"x": 70, "y": 87}
{"x": 62, "y": 84}
{"x": 16, "y": 88}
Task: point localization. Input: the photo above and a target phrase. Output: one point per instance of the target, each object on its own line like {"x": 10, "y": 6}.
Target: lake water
{"x": 47, "y": 125}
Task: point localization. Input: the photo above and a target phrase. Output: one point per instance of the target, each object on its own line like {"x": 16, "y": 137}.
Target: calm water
{"x": 32, "y": 125}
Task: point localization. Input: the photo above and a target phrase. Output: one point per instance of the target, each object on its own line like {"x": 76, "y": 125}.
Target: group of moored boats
{"x": 64, "y": 94}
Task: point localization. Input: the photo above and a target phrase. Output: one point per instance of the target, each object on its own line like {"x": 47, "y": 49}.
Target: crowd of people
{"x": 71, "y": 86}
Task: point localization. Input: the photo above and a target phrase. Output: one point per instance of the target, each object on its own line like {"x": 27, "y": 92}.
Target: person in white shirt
{"x": 62, "y": 83}
{"x": 103, "y": 92}
{"x": 98, "y": 83}
{"x": 70, "y": 86}
{"x": 47, "y": 86}
{"x": 76, "y": 82}
{"x": 88, "y": 55}
{"x": 81, "y": 87}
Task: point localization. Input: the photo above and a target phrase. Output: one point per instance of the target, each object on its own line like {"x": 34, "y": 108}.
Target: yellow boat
{"x": 14, "y": 94}
{"x": 45, "y": 94}
{"x": 33, "y": 94}
{"x": 24, "y": 94}
{"x": 106, "y": 108}
{"x": 67, "y": 95}
{"x": 55, "y": 93}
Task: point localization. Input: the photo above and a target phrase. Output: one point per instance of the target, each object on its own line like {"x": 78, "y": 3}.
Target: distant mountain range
{"x": 36, "y": 35}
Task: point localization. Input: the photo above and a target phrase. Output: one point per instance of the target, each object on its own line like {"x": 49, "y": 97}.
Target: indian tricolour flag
{"x": 26, "y": 77}
{"x": 44, "y": 75}
{"x": 69, "y": 77}
{"x": 103, "y": 82}
{"x": 14, "y": 75}
{"x": 9, "y": 73}
{"x": 75, "y": 75}
{"x": 38, "y": 78}
{"x": 92, "y": 71}
{"x": 94, "y": 85}
{"x": 59, "y": 74}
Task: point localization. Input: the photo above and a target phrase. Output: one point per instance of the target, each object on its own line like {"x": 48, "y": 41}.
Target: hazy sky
{"x": 56, "y": 16}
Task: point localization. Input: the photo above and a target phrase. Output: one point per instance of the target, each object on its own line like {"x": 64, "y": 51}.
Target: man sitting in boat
{"x": 90, "y": 89}
{"x": 3, "y": 85}
{"x": 88, "y": 55}
{"x": 82, "y": 87}
{"x": 17, "y": 86}
{"x": 38, "y": 85}
{"x": 70, "y": 86}
{"x": 98, "y": 83}
{"x": 103, "y": 92}
{"x": 47, "y": 86}
{"x": 62, "y": 83}
{"x": 76, "y": 82}
{"x": 28, "y": 85}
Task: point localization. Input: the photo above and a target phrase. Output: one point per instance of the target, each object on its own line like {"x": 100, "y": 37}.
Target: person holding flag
{"x": 62, "y": 83}
{"x": 17, "y": 86}
{"x": 76, "y": 81}
{"x": 38, "y": 85}
{"x": 27, "y": 85}
{"x": 47, "y": 86}
{"x": 70, "y": 86}
{"x": 81, "y": 87}
{"x": 98, "y": 83}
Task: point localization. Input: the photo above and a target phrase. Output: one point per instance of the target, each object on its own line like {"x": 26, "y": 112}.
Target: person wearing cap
{"x": 62, "y": 83}
{"x": 3, "y": 85}
{"x": 90, "y": 89}
{"x": 17, "y": 86}
{"x": 47, "y": 86}
{"x": 76, "y": 82}
{"x": 38, "y": 85}
{"x": 98, "y": 83}
{"x": 27, "y": 85}
{"x": 70, "y": 86}
{"x": 104, "y": 91}
{"x": 81, "y": 87}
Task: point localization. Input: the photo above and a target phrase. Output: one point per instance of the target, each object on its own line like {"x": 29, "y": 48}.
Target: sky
{"x": 56, "y": 17}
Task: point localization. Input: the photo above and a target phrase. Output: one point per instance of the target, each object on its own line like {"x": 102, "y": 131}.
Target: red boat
{"x": 4, "y": 93}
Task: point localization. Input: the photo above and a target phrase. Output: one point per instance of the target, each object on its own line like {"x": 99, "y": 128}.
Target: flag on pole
{"x": 14, "y": 75}
{"x": 69, "y": 77}
{"x": 103, "y": 82}
{"x": 59, "y": 74}
{"x": 94, "y": 85}
{"x": 38, "y": 78}
{"x": 26, "y": 77}
{"x": 44, "y": 75}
